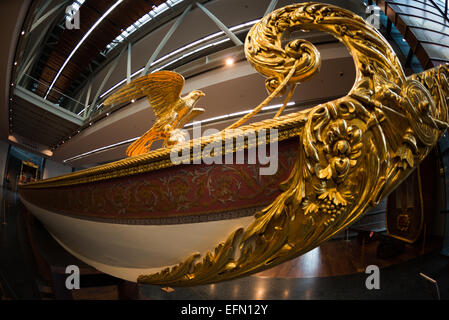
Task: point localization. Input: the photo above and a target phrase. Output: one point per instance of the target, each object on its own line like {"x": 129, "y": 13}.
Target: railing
{"x": 181, "y": 56}
{"x": 69, "y": 103}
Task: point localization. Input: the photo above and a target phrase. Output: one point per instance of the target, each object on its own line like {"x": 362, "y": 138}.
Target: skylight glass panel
{"x": 160, "y": 8}
{"x": 145, "y": 19}
{"x": 140, "y": 22}
{"x": 131, "y": 28}
{"x": 77, "y": 4}
{"x": 173, "y": 2}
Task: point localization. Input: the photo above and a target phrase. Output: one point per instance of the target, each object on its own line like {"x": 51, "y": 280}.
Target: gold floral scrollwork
{"x": 342, "y": 148}
{"x": 353, "y": 152}
{"x": 420, "y": 105}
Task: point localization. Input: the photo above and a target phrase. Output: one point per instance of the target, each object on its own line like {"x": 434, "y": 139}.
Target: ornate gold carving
{"x": 354, "y": 150}
{"x": 163, "y": 89}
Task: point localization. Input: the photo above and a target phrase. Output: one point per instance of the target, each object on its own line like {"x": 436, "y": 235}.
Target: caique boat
{"x": 151, "y": 220}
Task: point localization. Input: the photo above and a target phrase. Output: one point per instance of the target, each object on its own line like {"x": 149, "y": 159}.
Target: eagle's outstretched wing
{"x": 163, "y": 89}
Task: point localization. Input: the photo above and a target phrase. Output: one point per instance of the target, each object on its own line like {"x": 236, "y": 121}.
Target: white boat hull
{"x": 127, "y": 251}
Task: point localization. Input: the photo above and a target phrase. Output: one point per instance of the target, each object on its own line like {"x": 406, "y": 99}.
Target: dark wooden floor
{"x": 343, "y": 257}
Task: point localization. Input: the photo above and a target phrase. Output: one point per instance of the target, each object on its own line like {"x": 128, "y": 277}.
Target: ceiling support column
{"x": 221, "y": 25}
{"x": 106, "y": 78}
{"x": 446, "y": 8}
{"x": 45, "y": 16}
{"x": 25, "y": 68}
{"x": 31, "y": 54}
{"x": 271, "y": 7}
{"x": 165, "y": 40}
{"x": 87, "y": 99}
{"x": 128, "y": 67}
{"x": 77, "y": 99}
{"x": 40, "y": 11}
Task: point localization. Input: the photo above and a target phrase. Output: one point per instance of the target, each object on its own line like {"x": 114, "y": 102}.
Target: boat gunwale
{"x": 288, "y": 126}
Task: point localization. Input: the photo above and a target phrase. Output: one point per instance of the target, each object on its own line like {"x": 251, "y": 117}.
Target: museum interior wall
{"x": 54, "y": 169}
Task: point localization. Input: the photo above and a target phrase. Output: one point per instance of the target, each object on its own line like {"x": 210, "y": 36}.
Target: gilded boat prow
{"x": 349, "y": 153}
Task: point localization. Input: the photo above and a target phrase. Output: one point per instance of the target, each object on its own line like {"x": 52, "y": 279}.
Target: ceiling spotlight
{"x": 23, "y": 32}
{"x": 229, "y": 61}
{"x": 107, "y": 114}
{"x": 132, "y": 101}
{"x": 79, "y": 131}
{"x": 90, "y": 123}
{"x": 15, "y": 63}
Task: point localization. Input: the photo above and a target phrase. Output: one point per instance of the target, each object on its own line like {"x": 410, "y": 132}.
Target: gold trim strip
{"x": 160, "y": 158}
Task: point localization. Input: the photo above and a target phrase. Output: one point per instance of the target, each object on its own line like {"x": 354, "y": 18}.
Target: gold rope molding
{"x": 354, "y": 151}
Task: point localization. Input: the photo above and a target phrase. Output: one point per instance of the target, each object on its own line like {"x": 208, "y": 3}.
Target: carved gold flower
{"x": 342, "y": 149}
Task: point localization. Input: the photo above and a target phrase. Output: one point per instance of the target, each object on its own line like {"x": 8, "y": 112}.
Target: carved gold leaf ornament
{"x": 353, "y": 152}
